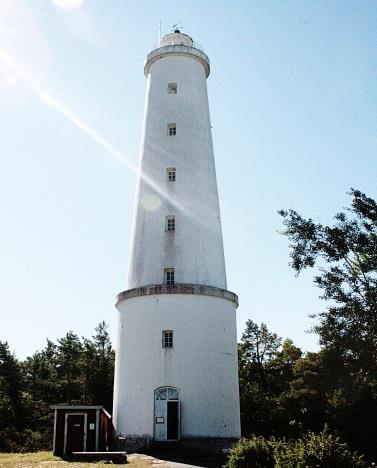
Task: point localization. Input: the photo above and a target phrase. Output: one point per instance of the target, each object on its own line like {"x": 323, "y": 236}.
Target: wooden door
{"x": 75, "y": 433}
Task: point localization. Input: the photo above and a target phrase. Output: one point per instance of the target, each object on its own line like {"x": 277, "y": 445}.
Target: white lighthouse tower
{"x": 176, "y": 375}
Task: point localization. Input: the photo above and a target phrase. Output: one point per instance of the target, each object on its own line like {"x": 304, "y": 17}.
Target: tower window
{"x": 167, "y": 338}
{"x": 170, "y": 174}
{"x": 170, "y": 223}
{"x": 169, "y": 276}
{"x": 172, "y": 88}
{"x": 172, "y": 129}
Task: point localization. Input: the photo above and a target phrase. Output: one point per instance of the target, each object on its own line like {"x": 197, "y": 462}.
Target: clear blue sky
{"x": 293, "y": 102}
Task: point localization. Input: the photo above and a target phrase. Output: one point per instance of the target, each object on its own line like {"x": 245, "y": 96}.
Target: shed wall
{"x": 104, "y": 429}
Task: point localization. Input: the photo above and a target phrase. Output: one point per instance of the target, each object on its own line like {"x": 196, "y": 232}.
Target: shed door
{"x": 75, "y": 433}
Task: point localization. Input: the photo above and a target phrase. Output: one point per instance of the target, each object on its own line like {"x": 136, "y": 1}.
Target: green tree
{"x": 304, "y": 401}
{"x": 72, "y": 371}
{"x": 346, "y": 256}
{"x": 12, "y": 405}
{"x": 41, "y": 389}
{"x": 98, "y": 360}
{"x": 257, "y": 346}
{"x": 342, "y": 378}
{"x": 69, "y": 368}
{"x": 40, "y": 371}
{"x": 281, "y": 366}
{"x": 265, "y": 370}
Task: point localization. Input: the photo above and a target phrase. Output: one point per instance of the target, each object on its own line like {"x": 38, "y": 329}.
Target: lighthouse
{"x": 176, "y": 373}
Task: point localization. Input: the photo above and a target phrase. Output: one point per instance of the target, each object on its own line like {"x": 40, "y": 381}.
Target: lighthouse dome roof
{"x": 176, "y": 38}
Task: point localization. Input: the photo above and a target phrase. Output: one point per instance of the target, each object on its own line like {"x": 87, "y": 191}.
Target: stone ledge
{"x": 176, "y": 49}
{"x": 198, "y": 289}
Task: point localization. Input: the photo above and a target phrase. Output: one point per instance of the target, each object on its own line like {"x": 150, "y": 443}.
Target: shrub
{"x": 7, "y": 442}
{"x": 323, "y": 450}
{"x": 33, "y": 441}
{"x": 256, "y": 452}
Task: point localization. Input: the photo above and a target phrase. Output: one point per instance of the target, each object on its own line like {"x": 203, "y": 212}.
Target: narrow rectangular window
{"x": 170, "y": 174}
{"x": 167, "y": 338}
{"x": 172, "y": 88}
{"x": 172, "y": 129}
{"x": 170, "y": 223}
{"x": 169, "y": 276}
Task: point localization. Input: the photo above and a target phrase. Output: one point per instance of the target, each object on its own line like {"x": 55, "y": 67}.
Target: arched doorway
{"x": 166, "y": 413}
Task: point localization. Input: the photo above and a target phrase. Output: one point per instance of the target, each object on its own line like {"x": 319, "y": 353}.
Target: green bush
{"x": 323, "y": 450}
{"x": 7, "y": 440}
{"x": 256, "y": 452}
{"x": 34, "y": 441}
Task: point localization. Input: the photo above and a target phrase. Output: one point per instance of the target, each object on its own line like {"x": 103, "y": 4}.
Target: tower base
{"x": 201, "y": 445}
{"x": 189, "y": 389}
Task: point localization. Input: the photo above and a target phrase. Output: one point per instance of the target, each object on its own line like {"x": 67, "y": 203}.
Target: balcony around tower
{"x": 177, "y": 44}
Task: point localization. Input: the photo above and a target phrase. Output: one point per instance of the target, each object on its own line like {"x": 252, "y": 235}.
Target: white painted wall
{"x": 202, "y": 364}
{"x": 195, "y": 250}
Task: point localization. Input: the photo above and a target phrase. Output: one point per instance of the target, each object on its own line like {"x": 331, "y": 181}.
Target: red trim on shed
{"x": 92, "y": 431}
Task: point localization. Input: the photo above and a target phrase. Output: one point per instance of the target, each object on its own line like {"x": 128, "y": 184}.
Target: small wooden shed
{"x": 81, "y": 429}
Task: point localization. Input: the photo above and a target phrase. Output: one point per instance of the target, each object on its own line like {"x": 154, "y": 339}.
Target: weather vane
{"x": 177, "y": 27}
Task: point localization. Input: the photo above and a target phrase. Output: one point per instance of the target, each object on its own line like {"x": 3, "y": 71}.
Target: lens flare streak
{"x": 49, "y": 99}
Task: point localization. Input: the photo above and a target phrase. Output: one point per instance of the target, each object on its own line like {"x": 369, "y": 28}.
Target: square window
{"x": 172, "y": 88}
{"x": 170, "y": 223}
{"x": 169, "y": 276}
{"x": 172, "y": 129}
{"x": 170, "y": 174}
{"x": 167, "y": 338}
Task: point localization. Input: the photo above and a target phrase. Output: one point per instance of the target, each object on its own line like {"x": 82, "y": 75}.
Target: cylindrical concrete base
{"x": 201, "y": 366}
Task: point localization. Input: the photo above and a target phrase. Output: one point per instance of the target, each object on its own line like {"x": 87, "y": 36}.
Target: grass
{"x": 47, "y": 460}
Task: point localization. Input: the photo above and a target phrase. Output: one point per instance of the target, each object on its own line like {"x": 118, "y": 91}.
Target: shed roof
{"x": 80, "y": 407}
